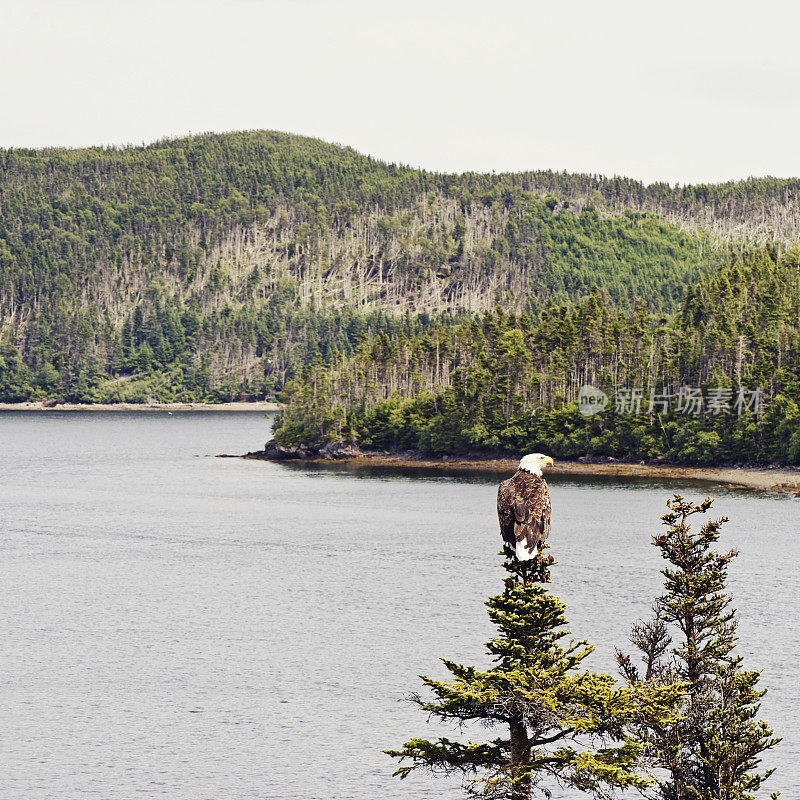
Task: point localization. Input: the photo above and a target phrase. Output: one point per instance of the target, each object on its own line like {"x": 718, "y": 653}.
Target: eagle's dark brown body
{"x": 523, "y": 508}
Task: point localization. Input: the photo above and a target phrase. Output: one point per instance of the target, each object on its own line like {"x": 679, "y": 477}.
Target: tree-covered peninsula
{"x": 716, "y": 382}
{"x": 227, "y": 266}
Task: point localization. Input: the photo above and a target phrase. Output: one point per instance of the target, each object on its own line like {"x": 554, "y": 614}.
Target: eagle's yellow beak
{"x": 549, "y": 461}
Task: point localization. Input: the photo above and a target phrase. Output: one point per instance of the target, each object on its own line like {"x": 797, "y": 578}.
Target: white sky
{"x": 678, "y": 91}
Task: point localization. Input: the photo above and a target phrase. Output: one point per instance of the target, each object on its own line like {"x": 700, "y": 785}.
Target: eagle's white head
{"x": 535, "y": 463}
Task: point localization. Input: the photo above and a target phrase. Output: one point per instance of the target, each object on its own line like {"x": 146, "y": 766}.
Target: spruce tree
{"x": 558, "y": 724}
{"x": 713, "y": 751}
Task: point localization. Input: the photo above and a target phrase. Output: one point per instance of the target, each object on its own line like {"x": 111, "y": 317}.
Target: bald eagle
{"x": 523, "y": 508}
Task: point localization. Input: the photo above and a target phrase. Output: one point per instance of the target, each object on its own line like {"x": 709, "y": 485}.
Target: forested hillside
{"x": 718, "y": 382}
{"x": 217, "y": 266}
{"x": 746, "y": 213}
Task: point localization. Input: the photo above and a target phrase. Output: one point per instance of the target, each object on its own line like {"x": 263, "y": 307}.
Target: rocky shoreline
{"x": 775, "y": 479}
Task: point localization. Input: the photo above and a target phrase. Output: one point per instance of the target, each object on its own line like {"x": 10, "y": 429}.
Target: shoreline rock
{"x": 328, "y": 452}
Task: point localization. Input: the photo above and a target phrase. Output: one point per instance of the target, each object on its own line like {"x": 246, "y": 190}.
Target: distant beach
{"x": 47, "y": 406}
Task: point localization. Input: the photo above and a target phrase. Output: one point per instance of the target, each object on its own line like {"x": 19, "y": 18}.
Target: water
{"x": 181, "y": 626}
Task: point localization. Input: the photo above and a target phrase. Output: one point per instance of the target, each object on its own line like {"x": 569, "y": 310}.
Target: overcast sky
{"x": 678, "y": 91}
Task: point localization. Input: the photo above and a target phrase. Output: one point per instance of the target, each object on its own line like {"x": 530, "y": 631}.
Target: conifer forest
{"x": 396, "y": 308}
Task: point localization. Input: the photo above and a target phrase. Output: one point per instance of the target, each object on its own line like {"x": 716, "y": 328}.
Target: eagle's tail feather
{"x": 523, "y": 553}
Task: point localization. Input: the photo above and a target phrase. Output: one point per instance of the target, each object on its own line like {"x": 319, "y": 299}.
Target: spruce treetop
{"x": 563, "y": 725}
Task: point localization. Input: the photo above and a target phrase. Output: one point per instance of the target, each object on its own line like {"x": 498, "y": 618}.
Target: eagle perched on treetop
{"x": 523, "y": 508}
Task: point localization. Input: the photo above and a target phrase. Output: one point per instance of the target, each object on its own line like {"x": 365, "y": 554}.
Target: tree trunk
{"x": 520, "y": 758}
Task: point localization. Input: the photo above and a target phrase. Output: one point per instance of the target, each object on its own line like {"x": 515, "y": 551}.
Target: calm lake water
{"x": 177, "y": 625}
